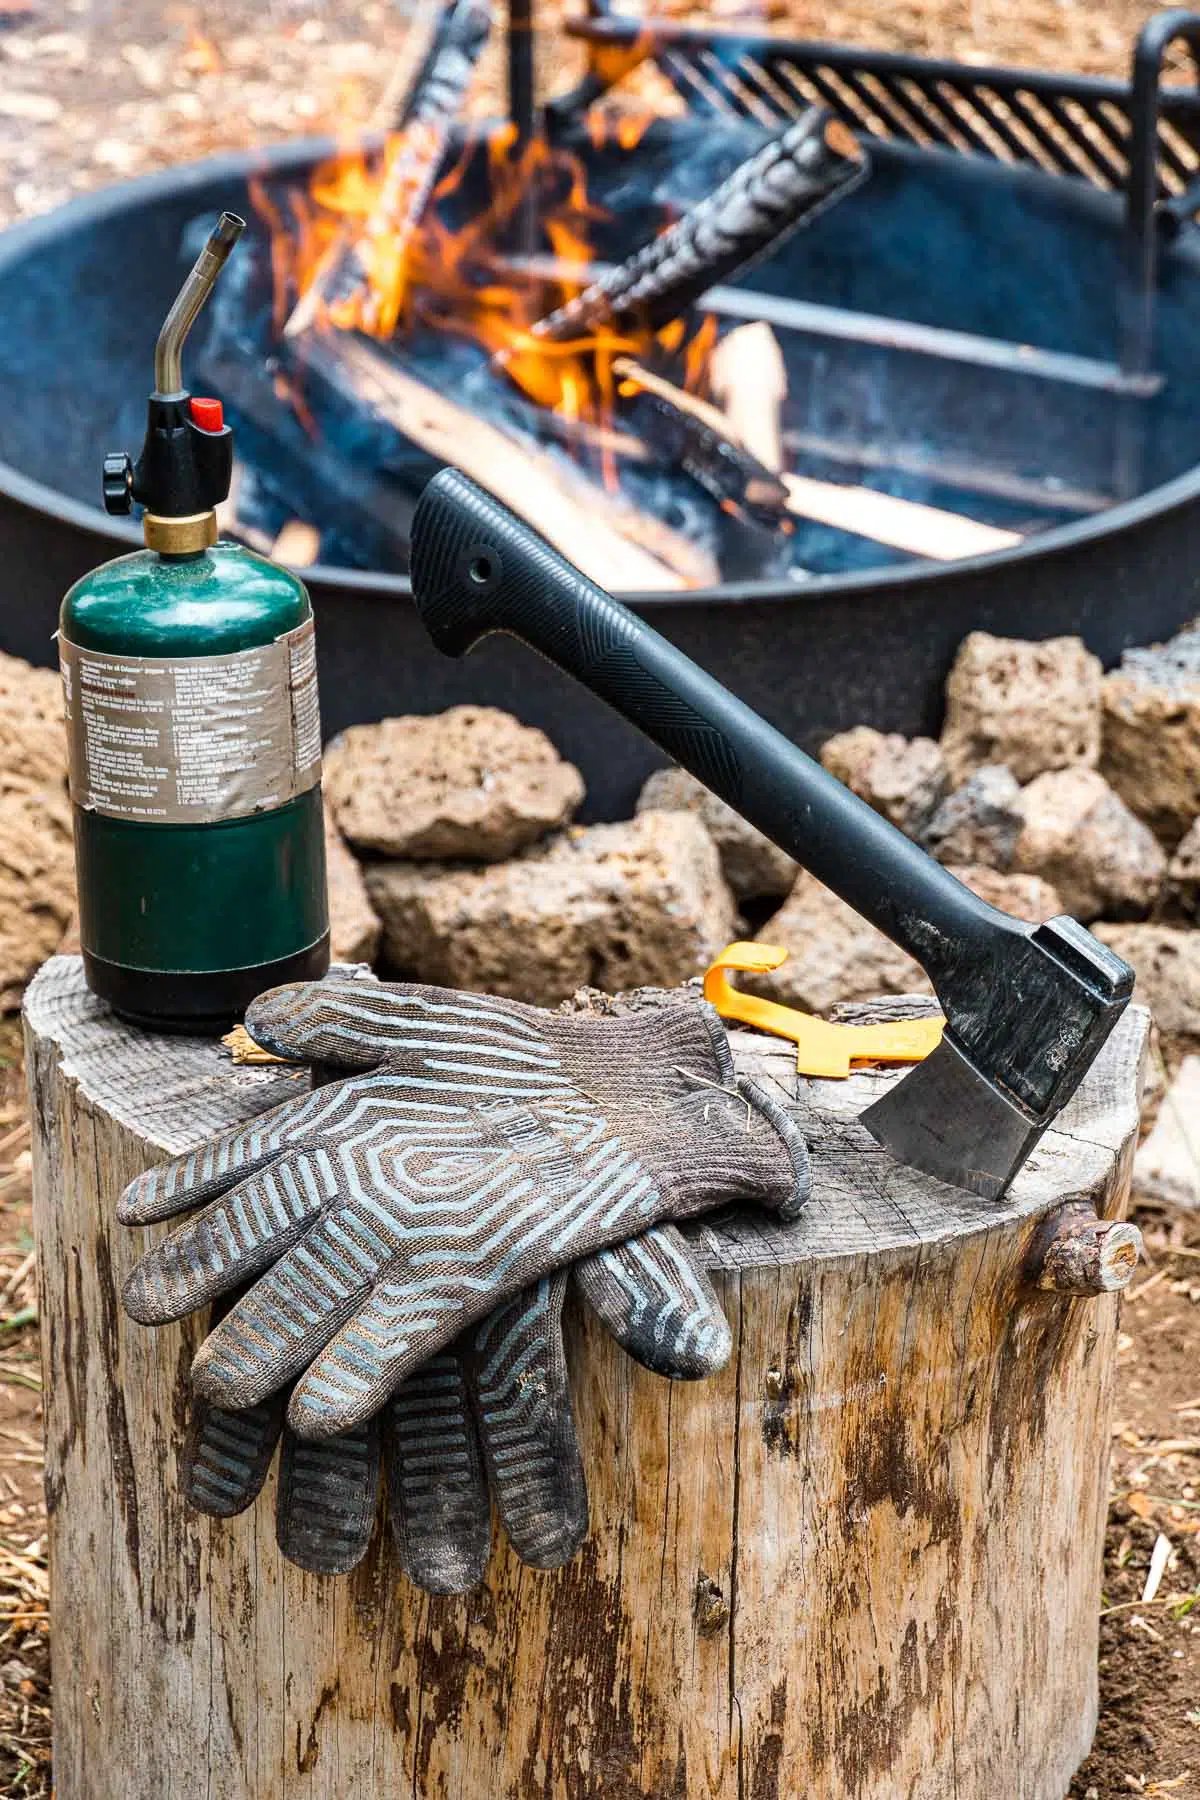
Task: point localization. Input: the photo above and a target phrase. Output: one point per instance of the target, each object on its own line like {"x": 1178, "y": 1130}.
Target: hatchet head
{"x": 1022, "y": 1031}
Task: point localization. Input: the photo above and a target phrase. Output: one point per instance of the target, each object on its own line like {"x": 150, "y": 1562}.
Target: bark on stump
{"x": 864, "y": 1562}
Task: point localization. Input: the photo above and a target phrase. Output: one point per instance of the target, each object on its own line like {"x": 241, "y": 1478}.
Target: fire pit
{"x": 1000, "y": 324}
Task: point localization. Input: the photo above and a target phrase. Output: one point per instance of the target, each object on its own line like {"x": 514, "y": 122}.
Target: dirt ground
{"x": 93, "y": 91}
{"x": 1148, "y": 1741}
{"x": 24, "y": 1581}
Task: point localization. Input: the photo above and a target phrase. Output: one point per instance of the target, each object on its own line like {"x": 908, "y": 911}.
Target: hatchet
{"x": 1027, "y": 1007}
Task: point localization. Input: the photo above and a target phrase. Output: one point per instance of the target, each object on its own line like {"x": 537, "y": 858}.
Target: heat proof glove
{"x": 477, "y": 1146}
{"x": 489, "y": 1417}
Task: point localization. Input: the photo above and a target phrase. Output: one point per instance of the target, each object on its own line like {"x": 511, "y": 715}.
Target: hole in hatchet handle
{"x": 1077, "y": 1252}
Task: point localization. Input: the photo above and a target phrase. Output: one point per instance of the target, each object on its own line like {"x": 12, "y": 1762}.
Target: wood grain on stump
{"x": 862, "y": 1562}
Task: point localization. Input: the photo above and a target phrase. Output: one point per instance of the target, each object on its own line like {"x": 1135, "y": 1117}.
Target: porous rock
{"x": 33, "y": 739}
{"x": 1183, "y": 874}
{"x": 1080, "y": 835}
{"x": 37, "y": 862}
{"x": 471, "y": 782}
{"x": 1166, "y": 961}
{"x": 833, "y": 954}
{"x": 642, "y": 903}
{"x": 981, "y": 821}
{"x": 905, "y": 779}
{"x": 37, "y": 882}
{"x": 354, "y": 925}
{"x": 1151, "y": 751}
{"x": 1031, "y": 706}
{"x": 754, "y": 867}
{"x": 1026, "y": 897}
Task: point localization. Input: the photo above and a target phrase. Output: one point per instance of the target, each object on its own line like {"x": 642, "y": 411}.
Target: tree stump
{"x": 862, "y": 1563}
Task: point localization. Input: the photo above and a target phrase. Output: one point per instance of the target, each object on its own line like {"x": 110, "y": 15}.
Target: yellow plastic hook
{"x": 822, "y": 1048}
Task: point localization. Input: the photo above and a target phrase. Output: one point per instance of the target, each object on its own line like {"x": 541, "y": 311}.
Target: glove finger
{"x": 517, "y": 1370}
{"x": 227, "y": 1455}
{"x": 358, "y": 1025}
{"x": 656, "y": 1300}
{"x": 231, "y": 1241}
{"x": 438, "y": 1502}
{"x": 328, "y": 1493}
{"x": 402, "y": 1324}
{"x": 212, "y": 1169}
{"x": 288, "y": 1318}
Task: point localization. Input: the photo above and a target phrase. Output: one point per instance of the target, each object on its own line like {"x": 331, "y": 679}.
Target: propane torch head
{"x": 168, "y": 352}
{"x": 186, "y": 463}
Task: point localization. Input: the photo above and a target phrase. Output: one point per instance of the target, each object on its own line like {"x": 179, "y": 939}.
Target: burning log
{"x": 298, "y": 544}
{"x": 599, "y": 531}
{"x": 813, "y": 162}
{"x": 696, "y": 437}
{"x": 362, "y": 279}
{"x": 902, "y": 524}
{"x": 701, "y": 440}
{"x": 747, "y": 378}
{"x": 307, "y": 470}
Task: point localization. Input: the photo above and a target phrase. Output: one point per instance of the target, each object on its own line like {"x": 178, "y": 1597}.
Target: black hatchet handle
{"x": 476, "y": 568}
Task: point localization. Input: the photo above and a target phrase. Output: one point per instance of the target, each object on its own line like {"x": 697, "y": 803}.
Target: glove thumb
{"x": 327, "y": 1021}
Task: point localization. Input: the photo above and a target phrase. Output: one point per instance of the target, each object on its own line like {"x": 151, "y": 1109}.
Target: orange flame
{"x": 418, "y": 271}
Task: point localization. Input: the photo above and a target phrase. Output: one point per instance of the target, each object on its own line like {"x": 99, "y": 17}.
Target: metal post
{"x": 520, "y": 69}
{"x": 1139, "y": 298}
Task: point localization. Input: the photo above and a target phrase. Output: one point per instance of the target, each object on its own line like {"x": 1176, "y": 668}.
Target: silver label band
{"x": 191, "y": 740}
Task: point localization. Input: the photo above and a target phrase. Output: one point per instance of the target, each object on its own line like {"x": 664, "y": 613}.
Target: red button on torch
{"x": 209, "y": 415}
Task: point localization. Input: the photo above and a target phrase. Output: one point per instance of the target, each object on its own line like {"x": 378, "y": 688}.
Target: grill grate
{"x": 1078, "y": 126}
{"x": 1140, "y": 138}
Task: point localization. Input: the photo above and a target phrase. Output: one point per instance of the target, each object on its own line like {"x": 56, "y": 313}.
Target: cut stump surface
{"x": 861, "y": 1563}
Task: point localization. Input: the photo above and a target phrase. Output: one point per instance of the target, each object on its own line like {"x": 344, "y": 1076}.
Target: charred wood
{"x": 364, "y": 518}
{"x": 696, "y": 437}
{"x": 747, "y": 378}
{"x": 805, "y": 168}
{"x": 710, "y": 446}
{"x": 346, "y": 286}
{"x": 702, "y": 441}
{"x": 598, "y": 530}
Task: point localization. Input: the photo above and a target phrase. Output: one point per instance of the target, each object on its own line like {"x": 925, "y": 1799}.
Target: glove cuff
{"x": 664, "y": 1078}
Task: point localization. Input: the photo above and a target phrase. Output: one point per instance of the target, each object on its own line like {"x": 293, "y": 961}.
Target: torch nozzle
{"x": 168, "y": 352}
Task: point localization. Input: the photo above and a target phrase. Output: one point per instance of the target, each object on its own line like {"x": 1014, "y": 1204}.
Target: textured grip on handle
{"x": 477, "y": 569}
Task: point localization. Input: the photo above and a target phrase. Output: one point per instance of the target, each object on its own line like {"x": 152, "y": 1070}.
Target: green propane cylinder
{"x": 189, "y": 677}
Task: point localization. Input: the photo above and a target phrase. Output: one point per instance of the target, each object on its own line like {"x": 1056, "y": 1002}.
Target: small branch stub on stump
{"x": 1083, "y": 1254}
{"x": 835, "y": 1569}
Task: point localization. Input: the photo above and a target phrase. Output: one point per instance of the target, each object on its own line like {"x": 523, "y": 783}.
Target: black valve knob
{"x": 118, "y": 483}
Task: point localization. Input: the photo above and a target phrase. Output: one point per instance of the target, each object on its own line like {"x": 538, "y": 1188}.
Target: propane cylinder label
{"x": 190, "y": 740}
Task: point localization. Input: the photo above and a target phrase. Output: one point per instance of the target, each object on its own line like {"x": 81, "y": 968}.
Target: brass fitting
{"x": 180, "y": 537}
